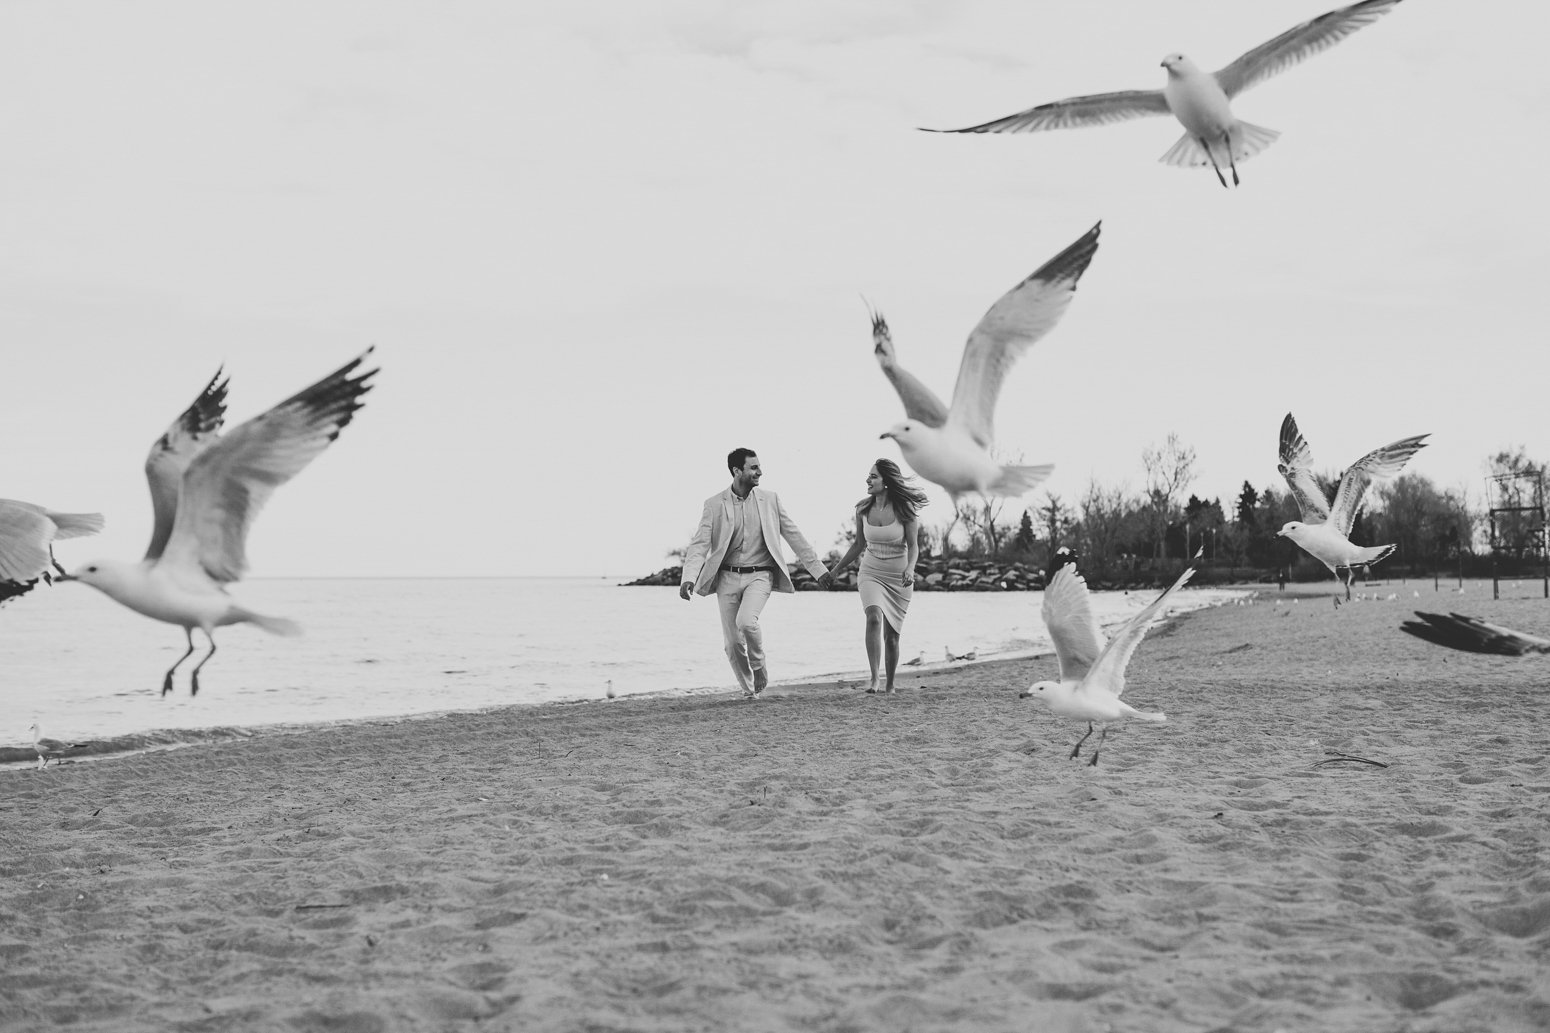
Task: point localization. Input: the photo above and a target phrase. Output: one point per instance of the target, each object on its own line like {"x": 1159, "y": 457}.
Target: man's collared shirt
{"x": 746, "y": 547}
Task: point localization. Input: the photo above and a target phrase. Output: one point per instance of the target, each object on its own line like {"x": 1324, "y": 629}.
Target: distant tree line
{"x": 1124, "y": 534}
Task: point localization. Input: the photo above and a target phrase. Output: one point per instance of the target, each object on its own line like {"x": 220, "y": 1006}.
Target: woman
{"x": 886, "y": 528}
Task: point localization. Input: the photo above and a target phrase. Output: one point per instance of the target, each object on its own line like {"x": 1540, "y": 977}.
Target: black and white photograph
{"x": 914, "y": 516}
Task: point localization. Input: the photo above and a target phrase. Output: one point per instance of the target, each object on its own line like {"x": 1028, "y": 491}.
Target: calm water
{"x": 84, "y": 667}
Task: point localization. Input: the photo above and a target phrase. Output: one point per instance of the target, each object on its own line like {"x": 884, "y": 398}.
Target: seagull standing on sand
{"x": 1202, "y": 102}
{"x": 1092, "y": 675}
{"x": 1474, "y": 635}
{"x": 951, "y": 446}
{"x": 206, "y": 491}
{"x": 48, "y": 753}
{"x": 27, "y": 536}
{"x": 1324, "y": 532}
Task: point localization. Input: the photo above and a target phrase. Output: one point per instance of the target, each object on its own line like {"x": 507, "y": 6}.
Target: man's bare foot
{"x": 761, "y": 678}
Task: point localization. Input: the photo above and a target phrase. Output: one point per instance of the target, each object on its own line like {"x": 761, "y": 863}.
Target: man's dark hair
{"x": 738, "y": 458}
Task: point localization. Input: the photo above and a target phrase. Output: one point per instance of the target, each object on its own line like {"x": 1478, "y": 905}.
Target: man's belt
{"x": 746, "y": 570}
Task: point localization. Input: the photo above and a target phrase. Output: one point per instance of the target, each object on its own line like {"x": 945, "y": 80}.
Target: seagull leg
{"x": 1078, "y": 747}
{"x": 1103, "y": 733}
{"x": 1219, "y": 177}
{"x": 55, "y": 562}
{"x": 194, "y": 681}
{"x": 166, "y": 683}
{"x": 1227, "y": 139}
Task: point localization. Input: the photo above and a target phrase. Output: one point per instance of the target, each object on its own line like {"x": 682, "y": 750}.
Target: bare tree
{"x": 945, "y": 529}
{"x": 1169, "y": 470}
{"x": 987, "y": 513}
{"x": 967, "y": 512}
{"x": 1105, "y": 515}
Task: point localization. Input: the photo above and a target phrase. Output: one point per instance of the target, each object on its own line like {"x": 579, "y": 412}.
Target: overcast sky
{"x": 599, "y": 245}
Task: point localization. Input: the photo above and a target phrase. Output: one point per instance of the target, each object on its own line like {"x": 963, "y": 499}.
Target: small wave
{"x": 134, "y": 742}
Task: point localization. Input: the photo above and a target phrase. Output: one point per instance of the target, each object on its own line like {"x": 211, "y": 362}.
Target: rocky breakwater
{"x": 958, "y": 574}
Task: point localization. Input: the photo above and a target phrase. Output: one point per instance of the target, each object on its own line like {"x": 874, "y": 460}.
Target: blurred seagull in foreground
{"x": 1202, "y": 102}
{"x": 27, "y": 536}
{"x": 1474, "y": 635}
{"x": 1092, "y": 675}
{"x": 206, "y": 491}
{"x": 951, "y": 446}
{"x": 1324, "y": 532}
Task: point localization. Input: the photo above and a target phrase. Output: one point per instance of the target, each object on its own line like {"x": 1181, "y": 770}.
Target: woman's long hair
{"x": 903, "y": 496}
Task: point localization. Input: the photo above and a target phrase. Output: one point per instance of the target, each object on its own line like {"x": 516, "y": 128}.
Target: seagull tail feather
{"x": 1019, "y": 480}
{"x": 273, "y": 625}
{"x": 1149, "y": 715}
{"x": 1376, "y": 553}
{"x": 1248, "y": 140}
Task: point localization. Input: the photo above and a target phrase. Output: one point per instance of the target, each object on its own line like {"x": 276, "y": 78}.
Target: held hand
{"x": 685, "y": 590}
{"x": 826, "y": 579}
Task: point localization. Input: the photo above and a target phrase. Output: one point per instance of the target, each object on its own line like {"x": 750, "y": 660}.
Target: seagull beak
{"x": 883, "y": 435}
{"x": 62, "y": 578}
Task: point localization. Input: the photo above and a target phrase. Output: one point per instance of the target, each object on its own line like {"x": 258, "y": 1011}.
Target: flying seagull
{"x": 1457, "y": 631}
{"x": 1201, "y": 102}
{"x": 1323, "y": 532}
{"x": 951, "y": 446}
{"x": 27, "y": 536}
{"x": 1092, "y": 674}
{"x": 206, "y": 491}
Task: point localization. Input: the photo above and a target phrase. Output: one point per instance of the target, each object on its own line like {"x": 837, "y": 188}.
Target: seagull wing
{"x": 1068, "y": 615}
{"x": 1108, "y": 673}
{"x": 1295, "y": 44}
{"x": 1296, "y": 466}
{"x": 920, "y": 402}
{"x": 169, "y": 457}
{"x": 1378, "y": 465}
{"x": 1095, "y": 109}
{"x": 228, "y": 483}
{"x": 1457, "y": 631}
{"x": 1023, "y": 315}
{"x": 75, "y": 525}
{"x": 25, "y": 533}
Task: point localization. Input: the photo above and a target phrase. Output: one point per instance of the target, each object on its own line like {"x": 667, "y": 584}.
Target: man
{"x": 736, "y": 553}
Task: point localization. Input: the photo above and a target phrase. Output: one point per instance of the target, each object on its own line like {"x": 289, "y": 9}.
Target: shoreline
{"x": 130, "y": 743}
{"x": 832, "y": 860}
{"x": 21, "y": 758}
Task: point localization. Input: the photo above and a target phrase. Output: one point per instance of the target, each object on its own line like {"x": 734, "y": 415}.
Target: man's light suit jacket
{"x": 708, "y": 549}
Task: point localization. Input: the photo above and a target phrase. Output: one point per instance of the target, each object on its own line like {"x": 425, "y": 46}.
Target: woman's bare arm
{"x": 854, "y": 551}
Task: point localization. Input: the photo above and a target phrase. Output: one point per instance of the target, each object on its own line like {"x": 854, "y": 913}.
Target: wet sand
{"x": 827, "y": 860}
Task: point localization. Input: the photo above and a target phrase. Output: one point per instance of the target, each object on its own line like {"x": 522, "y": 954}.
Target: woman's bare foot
{"x": 873, "y": 690}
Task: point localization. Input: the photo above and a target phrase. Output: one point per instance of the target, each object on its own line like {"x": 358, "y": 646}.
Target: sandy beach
{"x": 826, "y": 860}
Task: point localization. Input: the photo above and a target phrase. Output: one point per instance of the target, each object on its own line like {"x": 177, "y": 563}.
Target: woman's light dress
{"x": 881, "y": 577}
